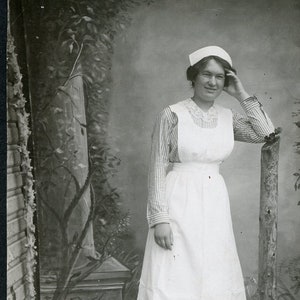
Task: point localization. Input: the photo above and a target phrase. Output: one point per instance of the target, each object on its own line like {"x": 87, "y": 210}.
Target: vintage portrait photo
{"x": 153, "y": 150}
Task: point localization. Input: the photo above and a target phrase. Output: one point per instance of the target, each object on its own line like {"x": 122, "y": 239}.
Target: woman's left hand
{"x": 235, "y": 87}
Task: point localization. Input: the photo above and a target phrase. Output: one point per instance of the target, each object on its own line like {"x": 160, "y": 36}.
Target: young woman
{"x": 190, "y": 252}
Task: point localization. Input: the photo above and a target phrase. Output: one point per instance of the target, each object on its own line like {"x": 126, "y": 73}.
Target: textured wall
{"x": 16, "y": 238}
{"x": 149, "y": 73}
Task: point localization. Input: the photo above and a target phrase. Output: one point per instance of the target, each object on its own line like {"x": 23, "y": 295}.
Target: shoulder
{"x": 178, "y": 104}
{"x": 223, "y": 109}
{"x": 166, "y": 115}
{"x": 169, "y": 113}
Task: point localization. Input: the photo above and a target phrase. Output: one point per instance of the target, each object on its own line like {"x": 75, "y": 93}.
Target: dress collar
{"x": 200, "y": 117}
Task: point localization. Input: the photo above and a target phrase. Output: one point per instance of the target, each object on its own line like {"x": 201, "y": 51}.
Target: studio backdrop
{"x": 99, "y": 72}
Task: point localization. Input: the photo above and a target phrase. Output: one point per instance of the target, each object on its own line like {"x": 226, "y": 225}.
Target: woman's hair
{"x": 193, "y": 71}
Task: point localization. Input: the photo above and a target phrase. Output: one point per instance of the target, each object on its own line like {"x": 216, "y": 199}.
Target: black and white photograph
{"x": 153, "y": 150}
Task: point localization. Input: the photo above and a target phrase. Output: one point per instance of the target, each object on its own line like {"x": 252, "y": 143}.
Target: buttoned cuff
{"x": 250, "y": 103}
{"x": 161, "y": 217}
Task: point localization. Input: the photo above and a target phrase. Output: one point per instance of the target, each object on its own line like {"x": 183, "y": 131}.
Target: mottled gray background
{"x": 149, "y": 66}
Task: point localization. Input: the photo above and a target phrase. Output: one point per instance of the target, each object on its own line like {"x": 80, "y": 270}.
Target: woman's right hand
{"x": 163, "y": 235}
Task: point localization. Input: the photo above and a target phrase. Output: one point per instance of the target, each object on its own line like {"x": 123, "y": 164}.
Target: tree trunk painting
{"x": 267, "y": 280}
{"x": 69, "y": 58}
{"x": 64, "y": 186}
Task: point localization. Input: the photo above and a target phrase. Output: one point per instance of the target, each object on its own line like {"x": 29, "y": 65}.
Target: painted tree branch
{"x": 78, "y": 196}
{"x": 61, "y": 88}
{"x": 57, "y": 64}
{"x": 94, "y": 264}
{"x": 72, "y": 176}
{"x": 74, "y": 65}
{"x": 267, "y": 280}
{"x": 63, "y": 282}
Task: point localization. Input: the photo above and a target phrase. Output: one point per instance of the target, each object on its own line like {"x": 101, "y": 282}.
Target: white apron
{"x": 203, "y": 264}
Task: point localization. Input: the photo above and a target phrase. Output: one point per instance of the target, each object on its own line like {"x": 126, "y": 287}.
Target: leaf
{"x": 89, "y": 27}
{"x": 59, "y": 151}
{"x": 61, "y": 74}
{"x": 70, "y": 31}
{"x": 298, "y": 123}
{"x": 57, "y": 110}
{"x": 278, "y": 130}
{"x": 77, "y": 22}
{"x": 88, "y": 38}
{"x": 71, "y": 48}
{"x": 87, "y": 19}
{"x": 64, "y": 43}
{"x": 105, "y": 37}
{"x": 90, "y": 10}
{"x": 95, "y": 29}
{"x": 71, "y": 129}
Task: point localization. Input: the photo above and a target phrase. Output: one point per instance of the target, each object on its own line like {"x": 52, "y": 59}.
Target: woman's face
{"x": 209, "y": 82}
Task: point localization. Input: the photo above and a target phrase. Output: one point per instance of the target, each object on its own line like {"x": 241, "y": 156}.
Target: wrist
{"x": 161, "y": 223}
{"x": 242, "y": 96}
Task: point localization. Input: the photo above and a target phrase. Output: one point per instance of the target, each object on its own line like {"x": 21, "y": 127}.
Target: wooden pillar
{"x": 267, "y": 283}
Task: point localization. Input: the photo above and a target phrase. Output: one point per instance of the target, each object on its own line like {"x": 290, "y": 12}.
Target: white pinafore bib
{"x": 198, "y": 144}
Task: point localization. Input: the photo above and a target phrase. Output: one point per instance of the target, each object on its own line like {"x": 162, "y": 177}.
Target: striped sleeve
{"x": 255, "y": 126}
{"x": 157, "y": 206}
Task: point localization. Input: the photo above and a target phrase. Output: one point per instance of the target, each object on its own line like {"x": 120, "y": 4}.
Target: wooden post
{"x": 267, "y": 283}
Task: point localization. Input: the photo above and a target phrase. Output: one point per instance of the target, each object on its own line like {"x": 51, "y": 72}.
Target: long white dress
{"x": 203, "y": 263}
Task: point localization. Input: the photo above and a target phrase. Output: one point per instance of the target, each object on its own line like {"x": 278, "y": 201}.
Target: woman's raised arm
{"x": 255, "y": 125}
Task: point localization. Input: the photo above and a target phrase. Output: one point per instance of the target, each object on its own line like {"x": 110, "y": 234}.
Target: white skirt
{"x": 203, "y": 264}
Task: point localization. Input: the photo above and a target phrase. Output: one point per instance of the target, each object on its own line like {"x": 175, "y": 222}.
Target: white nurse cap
{"x": 208, "y": 51}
